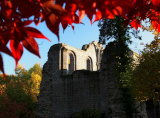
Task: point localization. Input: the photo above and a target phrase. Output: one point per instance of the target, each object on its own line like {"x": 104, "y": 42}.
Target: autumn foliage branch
{"x": 15, "y": 19}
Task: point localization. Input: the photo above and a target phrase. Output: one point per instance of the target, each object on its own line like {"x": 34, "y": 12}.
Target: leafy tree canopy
{"x": 122, "y": 56}
{"x": 18, "y": 94}
{"x": 114, "y": 29}
{"x": 146, "y": 76}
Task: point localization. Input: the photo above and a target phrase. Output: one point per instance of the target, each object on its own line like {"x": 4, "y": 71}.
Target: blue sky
{"x": 82, "y": 34}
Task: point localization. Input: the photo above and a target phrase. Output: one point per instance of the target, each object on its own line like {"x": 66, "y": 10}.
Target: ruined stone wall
{"x": 61, "y": 96}
{"x": 108, "y": 73}
{"x": 80, "y": 56}
{"x": 50, "y": 75}
{"x": 77, "y": 92}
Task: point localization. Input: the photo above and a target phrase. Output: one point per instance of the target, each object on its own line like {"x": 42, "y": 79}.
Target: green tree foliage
{"x": 35, "y": 74}
{"x": 153, "y": 47}
{"x": 21, "y": 72}
{"x": 146, "y": 76}
{"x": 114, "y": 30}
{"x": 150, "y": 27}
{"x": 36, "y": 69}
{"x": 20, "y": 91}
{"x": 35, "y": 83}
{"x": 32, "y": 77}
{"x": 12, "y": 109}
{"x": 15, "y": 101}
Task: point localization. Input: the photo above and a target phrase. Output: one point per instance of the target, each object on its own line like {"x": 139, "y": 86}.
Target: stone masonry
{"x": 73, "y": 80}
{"x": 72, "y": 59}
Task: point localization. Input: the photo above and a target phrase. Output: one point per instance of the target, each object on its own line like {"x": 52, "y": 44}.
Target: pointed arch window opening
{"x": 89, "y": 64}
{"x": 71, "y": 63}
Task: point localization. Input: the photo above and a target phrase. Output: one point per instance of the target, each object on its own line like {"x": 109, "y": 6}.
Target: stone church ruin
{"x": 74, "y": 80}
{"x": 71, "y": 59}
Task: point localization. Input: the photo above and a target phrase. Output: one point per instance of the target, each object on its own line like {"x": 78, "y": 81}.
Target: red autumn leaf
{"x": 158, "y": 28}
{"x": 57, "y": 8}
{"x": 98, "y": 15}
{"x": 89, "y": 6}
{"x": 49, "y": 8}
{"x": 26, "y": 9}
{"x": 60, "y": 2}
{"x": 109, "y": 14}
{"x": 35, "y": 33}
{"x": 42, "y": 1}
{"x": 156, "y": 25}
{"x": 24, "y": 23}
{"x": 81, "y": 15}
{"x": 71, "y": 8}
{"x": 31, "y": 45}
{"x": 16, "y": 49}
{"x": 53, "y": 24}
{"x": 117, "y": 10}
{"x": 64, "y": 26}
{"x": 3, "y": 37}
{"x": 8, "y": 13}
{"x": 4, "y": 49}
{"x": 90, "y": 13}
{"x": 156, "y": 2}
{"x": 67, "y": 20}
{"x": 28, "y": 22}
{"x": 135, "y": 24}
{"x": 7, "y": 8}
{"x": 75, "y": 19}
{"x": 37, "y": 18}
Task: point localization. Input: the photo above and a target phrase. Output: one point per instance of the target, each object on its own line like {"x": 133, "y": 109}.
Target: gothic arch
{"x": 71, "y": 62}
{"x": 89, "y": 64}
